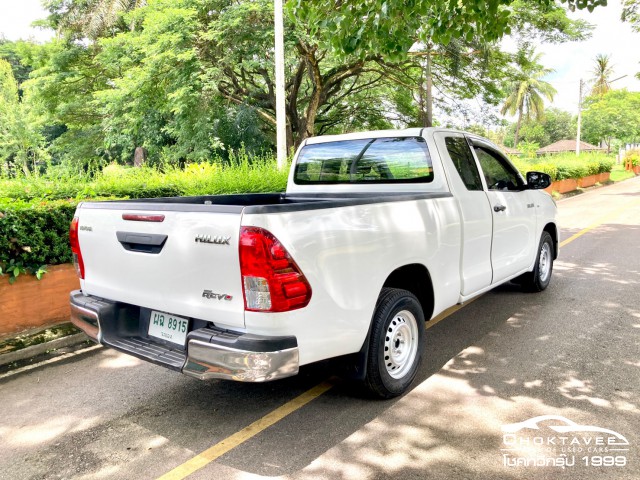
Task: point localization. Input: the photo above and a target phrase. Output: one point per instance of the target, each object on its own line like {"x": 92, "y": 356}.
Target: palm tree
{"x": 602, "y": 71}
{"x": 526, "y": 91}
{"x": 92, "y": 18}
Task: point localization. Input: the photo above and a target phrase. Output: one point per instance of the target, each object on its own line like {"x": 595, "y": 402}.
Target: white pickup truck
{"x": 377, "y": 233}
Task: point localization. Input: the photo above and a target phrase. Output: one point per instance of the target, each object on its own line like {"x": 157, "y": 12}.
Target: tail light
{"x": 75, "y": 248}
{"x": 272, "y": 281}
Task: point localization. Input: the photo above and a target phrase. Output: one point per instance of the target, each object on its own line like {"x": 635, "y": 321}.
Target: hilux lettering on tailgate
{"x": 216, "y": 240}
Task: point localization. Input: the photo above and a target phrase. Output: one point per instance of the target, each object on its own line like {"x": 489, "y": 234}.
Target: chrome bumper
{"x": 86, "y": 320}
{"x": 206, "y": 360}
{"x": 210, "y": 352}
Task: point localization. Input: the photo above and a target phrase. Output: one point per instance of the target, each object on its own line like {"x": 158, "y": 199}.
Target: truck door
{"x": 514, "y": 219}
{"x": 474, "y": 208}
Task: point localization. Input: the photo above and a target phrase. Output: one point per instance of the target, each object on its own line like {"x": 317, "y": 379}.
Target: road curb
{"x": 35, "y": 350}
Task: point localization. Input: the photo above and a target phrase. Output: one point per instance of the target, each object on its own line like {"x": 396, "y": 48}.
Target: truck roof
{"x": 405, "y": 132}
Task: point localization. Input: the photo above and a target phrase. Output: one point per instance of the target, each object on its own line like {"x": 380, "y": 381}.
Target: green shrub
{"x": 633, "y": 155}
{"x": 35, "y": 212}
{"x": 571, "y": 170}
{"x": 606, "y": 165}
{"x": 34, "y": 234}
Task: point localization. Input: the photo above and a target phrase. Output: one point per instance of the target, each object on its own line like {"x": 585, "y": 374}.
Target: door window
{"x": 498, "y": 173}
{"x": 464, "y": 162}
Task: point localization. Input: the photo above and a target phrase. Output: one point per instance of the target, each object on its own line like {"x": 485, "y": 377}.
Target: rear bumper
{"x": 210, "y": 352}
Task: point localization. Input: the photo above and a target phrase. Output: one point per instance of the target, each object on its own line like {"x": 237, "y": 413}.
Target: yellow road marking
{"x": 229, "y": 443}
{"x": 597, "y": 223}
{"x": 203, "y": 459}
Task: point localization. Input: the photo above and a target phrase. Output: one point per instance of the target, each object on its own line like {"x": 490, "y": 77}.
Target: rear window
{"x": 370, "y": 160}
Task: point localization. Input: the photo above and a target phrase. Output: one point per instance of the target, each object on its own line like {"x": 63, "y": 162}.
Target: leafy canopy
{"x": 391, "y": 27}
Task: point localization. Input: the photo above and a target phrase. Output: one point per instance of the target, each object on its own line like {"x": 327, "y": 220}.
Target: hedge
{"x": 34, "y": 234}
{"x": 35, "y": 212}
{"x": 564, "y": 167}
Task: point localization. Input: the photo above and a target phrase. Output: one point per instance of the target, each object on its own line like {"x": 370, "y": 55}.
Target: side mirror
{"x": 538, "y": 180}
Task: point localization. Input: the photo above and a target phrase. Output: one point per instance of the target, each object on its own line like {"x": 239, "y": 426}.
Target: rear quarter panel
{"x": 347, "y": 253}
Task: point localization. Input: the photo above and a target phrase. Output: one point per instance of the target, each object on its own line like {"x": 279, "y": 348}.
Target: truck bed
{"x": 259, "y": 202}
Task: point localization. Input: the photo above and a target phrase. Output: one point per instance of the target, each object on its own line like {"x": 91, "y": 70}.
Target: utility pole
{"x": 579, "y": 118}
{"x": 281, "y": 118}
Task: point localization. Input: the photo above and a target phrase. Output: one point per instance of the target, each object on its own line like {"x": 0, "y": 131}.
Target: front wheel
{"x": 538, "y": 279}
{"x": 396, "y": 343}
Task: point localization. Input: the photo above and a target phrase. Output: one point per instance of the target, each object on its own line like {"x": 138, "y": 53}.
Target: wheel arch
{"x": 414, "y": 278}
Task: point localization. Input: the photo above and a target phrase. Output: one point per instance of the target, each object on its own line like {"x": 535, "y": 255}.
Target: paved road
{"x": 572, "y": 351}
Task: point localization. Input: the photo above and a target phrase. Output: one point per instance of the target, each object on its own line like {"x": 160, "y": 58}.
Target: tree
{"x": 21, "y": 139}
{"x": 445, "y": 76}
{"x": 631, "y": 13}
{"x": 180, "y": 77}
{"x": 385, "y": 27}
{"x": 614, "y": 116}
{"x": 526, "y": 92}
{"x": 558, "y": 125}
{"x": 602, "y": 71}
{"x": 90, "y": 19}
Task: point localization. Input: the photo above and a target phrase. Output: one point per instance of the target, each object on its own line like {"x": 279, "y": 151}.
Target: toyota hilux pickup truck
{"x": 376, "y": 234}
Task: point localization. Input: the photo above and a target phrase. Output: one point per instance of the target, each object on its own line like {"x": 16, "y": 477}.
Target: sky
{"x": 571, "y": 61}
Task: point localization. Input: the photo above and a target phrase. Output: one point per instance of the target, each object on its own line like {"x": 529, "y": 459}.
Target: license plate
{"x": 168, "y": 327}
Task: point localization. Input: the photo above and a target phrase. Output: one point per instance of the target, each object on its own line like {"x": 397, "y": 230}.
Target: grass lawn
{"x": 618, "y": 173}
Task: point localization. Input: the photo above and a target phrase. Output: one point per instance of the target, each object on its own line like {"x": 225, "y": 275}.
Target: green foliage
{"x": 555, "y": 125}
{"x": 386, "y": 28}
{"x": 558, "y": 125}
{"x": 21, "y": 141}
{"x": 631, "y": 13}
{"x": 614, "y": 115}
{"x": 18, "y": 55}
{"x": 33, "y": 234}
{"x": 525, "y": 91}
{"x": 602, "y": 72}
{"x": 564, "y": 166}
{"x": 528, "y": 149}
{"x": 35, "y": 212}
{"x": 632, "y": 155}
{"x": 532, "y": 132}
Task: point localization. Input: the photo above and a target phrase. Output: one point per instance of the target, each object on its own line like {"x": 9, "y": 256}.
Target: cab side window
{"x": 464, "y": 162}
{"x": 499, "y": 174}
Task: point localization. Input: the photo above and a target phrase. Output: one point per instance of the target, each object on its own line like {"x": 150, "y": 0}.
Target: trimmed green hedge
{"x": 35, "y": 213}
{"x": 561, "y": 167}
{"x": 34, "y": 234}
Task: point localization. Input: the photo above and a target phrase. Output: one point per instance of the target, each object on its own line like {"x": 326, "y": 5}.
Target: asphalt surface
{"x": 572, "y": 351}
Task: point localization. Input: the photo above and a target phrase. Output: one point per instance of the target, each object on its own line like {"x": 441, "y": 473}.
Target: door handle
{"x": 142, "y": 242}
{"x": 499, "y": 208}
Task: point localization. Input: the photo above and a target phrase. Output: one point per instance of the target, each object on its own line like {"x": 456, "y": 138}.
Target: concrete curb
{"x": 35, "y": 350}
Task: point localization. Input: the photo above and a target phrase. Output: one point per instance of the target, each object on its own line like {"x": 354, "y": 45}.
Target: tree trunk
{"x": 139, "y": 157}
{"x": 517, "y": 134}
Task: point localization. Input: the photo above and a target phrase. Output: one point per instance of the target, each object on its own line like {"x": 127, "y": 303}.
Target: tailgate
{"x": 186, "y": 264}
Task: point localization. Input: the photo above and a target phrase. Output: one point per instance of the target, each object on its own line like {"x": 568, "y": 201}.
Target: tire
{"x": 539, "y": 279}
{"x": 396, "y": 343}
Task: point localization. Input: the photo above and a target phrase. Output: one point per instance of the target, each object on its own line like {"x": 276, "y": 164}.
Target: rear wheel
{"x": 538, "y": 279}
{"x": 396, "y": 343}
